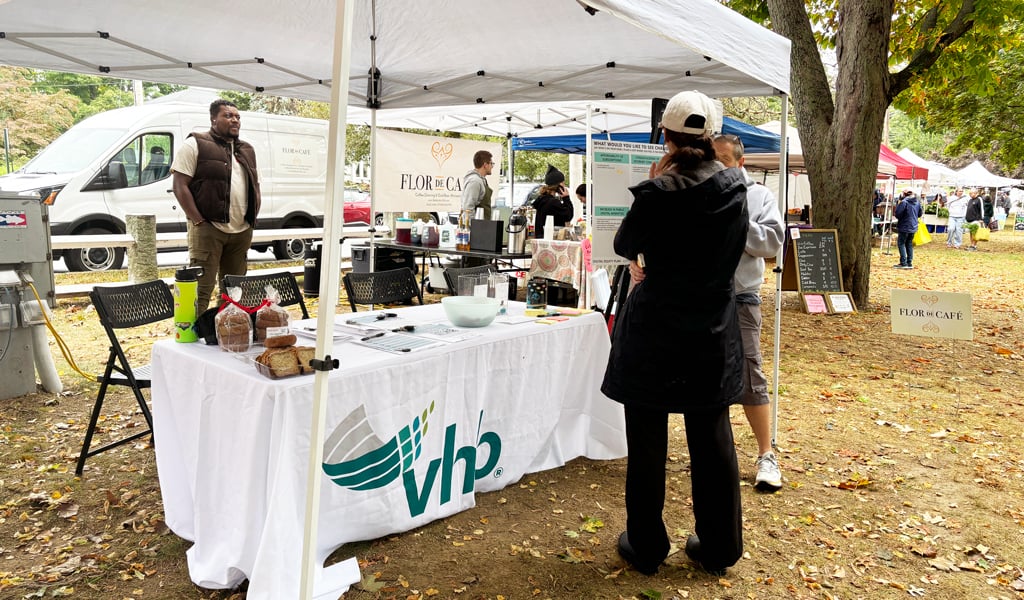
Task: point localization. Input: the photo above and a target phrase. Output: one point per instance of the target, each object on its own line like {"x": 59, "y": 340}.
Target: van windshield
{"x": 73, "y": 151}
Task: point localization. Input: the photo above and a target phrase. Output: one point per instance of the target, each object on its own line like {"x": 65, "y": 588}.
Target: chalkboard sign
{"x": 812, "y": 261}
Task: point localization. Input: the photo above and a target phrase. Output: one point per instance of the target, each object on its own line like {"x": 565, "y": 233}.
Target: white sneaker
{"x": 769, "y": 478}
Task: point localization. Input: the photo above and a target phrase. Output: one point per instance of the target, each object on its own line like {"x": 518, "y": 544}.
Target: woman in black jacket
{"x": 676, "y": 346}
{"x": 554, "y": 201}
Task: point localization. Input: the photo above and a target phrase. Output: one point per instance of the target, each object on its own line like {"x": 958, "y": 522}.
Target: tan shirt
{"x": 185, "y": 163}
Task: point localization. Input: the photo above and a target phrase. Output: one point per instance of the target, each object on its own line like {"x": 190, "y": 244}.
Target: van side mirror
{"x": 114, "y": 177}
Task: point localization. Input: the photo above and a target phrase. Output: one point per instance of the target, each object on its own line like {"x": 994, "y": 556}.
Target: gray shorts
{"x": 755, "y": 386}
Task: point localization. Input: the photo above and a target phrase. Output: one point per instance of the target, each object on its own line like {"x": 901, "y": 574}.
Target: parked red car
{"x": 357, "y": 206}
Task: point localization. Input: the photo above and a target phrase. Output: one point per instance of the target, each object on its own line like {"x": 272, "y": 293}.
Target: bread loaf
{"x": 280, "y": 341}
{"x": 234, "y": 331}
{"x": 284, "y": 362}
{"x": 270, "y": 316}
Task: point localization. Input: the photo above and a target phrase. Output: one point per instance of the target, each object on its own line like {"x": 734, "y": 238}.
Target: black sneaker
{"x": 899, "y": 266}
{"x": 626, "y": 551}
{"x": 693, "y": 551}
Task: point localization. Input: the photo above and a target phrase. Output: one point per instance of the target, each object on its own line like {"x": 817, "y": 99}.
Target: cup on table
{"x": 473, "y": 285}
{"x": 497, "y": 286}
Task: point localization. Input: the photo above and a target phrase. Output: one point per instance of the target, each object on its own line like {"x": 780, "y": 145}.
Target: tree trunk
{"x": 841, "y": 138}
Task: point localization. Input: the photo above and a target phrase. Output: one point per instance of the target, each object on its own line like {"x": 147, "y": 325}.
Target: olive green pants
{"x": 218, "y": 254}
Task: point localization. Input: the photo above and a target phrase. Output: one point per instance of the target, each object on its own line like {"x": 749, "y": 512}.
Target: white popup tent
{"x": 976, "y": 175}
{"x": 443, "y": 52}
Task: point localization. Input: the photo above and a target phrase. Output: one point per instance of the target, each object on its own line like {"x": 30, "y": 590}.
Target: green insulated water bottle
{"x": 186, "y": 286}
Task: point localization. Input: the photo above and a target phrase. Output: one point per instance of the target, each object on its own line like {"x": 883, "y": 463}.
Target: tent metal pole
{"x": 590, "y": 202}
{"x": 335, "y": 219}
{"x": 777, "y": 334}
{"x": 373, "y": 187}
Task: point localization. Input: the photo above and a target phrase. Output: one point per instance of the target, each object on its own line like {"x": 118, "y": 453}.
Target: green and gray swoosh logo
{"x": 355, "y": 458}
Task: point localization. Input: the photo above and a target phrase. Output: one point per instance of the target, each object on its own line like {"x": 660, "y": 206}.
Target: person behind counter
{"x": 676, "y": 345}
{"x": 475, "y": 191}
{"x": 553, "y": 200}
{"x": 217, "y": 185}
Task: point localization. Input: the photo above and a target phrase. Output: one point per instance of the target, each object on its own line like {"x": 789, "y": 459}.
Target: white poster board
{"x": 617, "y": 165}
{"x": 422, "y": 173}
{"x": 931, "y": 314}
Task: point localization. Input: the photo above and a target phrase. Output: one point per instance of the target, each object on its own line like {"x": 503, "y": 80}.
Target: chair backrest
{"x": 381, "y": 287}
{"x": 451, "y": 275}
{"x": 254, "y": 289}
{"x": 124, "y": 306}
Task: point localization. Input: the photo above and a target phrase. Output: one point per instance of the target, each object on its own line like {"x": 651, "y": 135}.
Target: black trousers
{"x": 715, "y": 481}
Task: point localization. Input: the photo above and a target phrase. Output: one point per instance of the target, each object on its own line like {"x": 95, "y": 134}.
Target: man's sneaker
{"x": 899, "y": 266}
{"x": 769, "y": 478}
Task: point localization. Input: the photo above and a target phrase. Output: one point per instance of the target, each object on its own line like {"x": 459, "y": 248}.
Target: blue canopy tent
{"x": 755, "y": 140}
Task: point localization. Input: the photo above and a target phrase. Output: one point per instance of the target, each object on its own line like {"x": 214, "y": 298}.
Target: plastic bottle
{"x": 462, "y": 235}
{"x": 186, "y": 286}
{"x": 446, "y": 235}
{"x": 429, "y": 236}
{"x": 416, "y": 234}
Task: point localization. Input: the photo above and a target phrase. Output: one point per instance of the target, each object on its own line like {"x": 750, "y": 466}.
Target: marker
{"x": 370, "y": 337}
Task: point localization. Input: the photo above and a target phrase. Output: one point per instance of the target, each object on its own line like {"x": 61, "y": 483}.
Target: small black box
{"x": 486, "y": 235}
{"x": 386, "y": 259}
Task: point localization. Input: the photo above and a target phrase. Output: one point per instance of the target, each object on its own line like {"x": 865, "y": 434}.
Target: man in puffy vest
{"x": 218, "y": 188}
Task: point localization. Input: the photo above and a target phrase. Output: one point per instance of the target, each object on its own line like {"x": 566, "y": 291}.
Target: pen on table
{"x": 375, "y": 335}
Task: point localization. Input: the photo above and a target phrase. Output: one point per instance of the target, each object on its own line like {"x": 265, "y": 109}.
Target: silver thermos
{"x": 517, "y": 231}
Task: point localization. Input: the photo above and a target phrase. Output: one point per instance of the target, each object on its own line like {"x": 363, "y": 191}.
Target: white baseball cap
{"x": 689, "y": 112}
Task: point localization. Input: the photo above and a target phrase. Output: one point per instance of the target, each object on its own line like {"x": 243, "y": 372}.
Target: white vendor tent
{"x": 436, "y": 53}
{"x": 941, "y": 175}
{"x": 976, "y": 175}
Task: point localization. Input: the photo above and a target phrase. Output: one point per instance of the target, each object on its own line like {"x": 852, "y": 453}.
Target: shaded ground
{"x": 902, "y": 458}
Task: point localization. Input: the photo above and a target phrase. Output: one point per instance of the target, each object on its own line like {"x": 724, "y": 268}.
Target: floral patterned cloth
{"x": 561, "y": 261}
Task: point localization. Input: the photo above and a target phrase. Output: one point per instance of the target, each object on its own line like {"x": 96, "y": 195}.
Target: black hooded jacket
{"x": 677, "y": 344}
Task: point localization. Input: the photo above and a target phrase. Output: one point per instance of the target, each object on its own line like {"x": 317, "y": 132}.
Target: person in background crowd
{"x": 957, "y": 207}
{"x": 476, "y": 193}
{"x": 217, "y": 185}
{"x": 975, "y": 214}
{"x": 581, "y": 195}
{"x": 908, "y": 211}
{"x": 877, "y": 211}
{"x": 554, "y": 201}
{"x": 765, "y": 234}
{"x": 677, "y": 346}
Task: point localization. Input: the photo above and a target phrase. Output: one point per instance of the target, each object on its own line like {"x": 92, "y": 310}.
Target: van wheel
{"x": 292, "y": 249}
{"x": 94, "y": 259}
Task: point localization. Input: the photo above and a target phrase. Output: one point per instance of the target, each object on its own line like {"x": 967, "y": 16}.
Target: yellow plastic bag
{"x": 982, "y": 234}
{"x": 922, "y": 236}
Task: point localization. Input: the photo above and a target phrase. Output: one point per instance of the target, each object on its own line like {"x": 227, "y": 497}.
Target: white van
{"x": 118, "y": 163}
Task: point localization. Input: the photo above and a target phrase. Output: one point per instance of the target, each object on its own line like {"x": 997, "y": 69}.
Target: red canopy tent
{"x": 904, "y": 168}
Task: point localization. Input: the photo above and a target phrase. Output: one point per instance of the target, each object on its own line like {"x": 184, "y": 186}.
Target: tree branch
{"x": 925, "y": 56}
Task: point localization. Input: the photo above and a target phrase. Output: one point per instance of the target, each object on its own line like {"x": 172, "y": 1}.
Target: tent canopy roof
{"x": 754, "y": 140}
{"x": 450, "y": 52}
{"x": 975, "y": 174}
{"x": 905, "y": 169}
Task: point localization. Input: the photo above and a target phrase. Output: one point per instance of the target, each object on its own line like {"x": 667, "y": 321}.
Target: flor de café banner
{"x": 423, "y": 173}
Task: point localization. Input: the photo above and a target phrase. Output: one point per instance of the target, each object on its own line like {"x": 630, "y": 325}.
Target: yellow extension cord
{"x": 60, "y": 341}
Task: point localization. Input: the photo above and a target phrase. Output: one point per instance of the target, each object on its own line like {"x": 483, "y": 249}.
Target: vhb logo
{"x": 355, "y": 458}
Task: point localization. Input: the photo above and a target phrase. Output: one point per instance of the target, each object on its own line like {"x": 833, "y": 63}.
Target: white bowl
{"x": 470, "y": 311}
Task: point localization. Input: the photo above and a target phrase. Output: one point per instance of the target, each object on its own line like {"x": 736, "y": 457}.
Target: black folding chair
{"x": 254, "y": 289}
{"x": 381, "y": 287}
{"x": 123, "y": 307}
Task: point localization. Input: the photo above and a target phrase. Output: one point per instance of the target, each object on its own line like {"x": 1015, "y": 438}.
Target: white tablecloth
{"x": 232, "y": 446}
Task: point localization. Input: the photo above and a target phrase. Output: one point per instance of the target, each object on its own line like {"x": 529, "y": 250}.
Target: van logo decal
{"x": 441, "y": 153}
